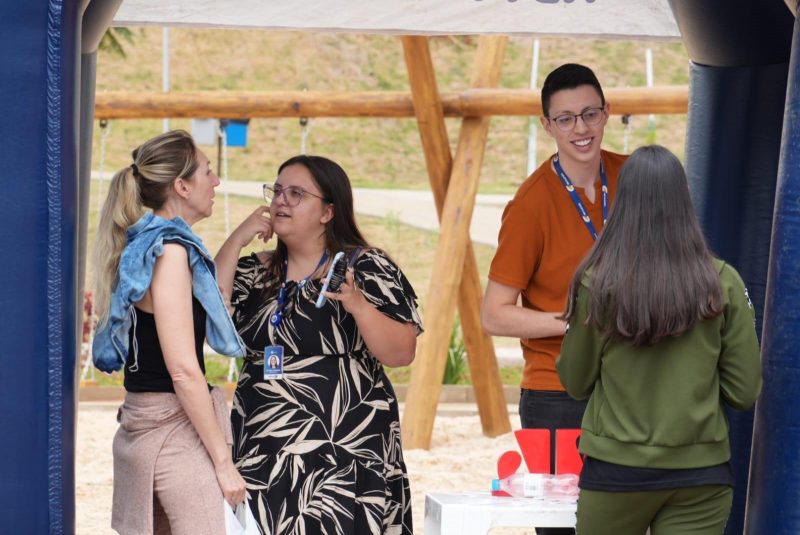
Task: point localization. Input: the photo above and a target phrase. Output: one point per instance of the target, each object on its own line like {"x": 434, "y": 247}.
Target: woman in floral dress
{"x": 318, "y": 439}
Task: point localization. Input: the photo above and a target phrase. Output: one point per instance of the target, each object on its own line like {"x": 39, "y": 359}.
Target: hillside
{"x": 375, "y": 152}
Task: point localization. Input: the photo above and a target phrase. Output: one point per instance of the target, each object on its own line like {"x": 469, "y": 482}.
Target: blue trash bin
{"x": 236, "y": 132}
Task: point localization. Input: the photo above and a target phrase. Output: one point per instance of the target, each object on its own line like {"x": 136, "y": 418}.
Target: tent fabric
{"x": 629, "y": 19}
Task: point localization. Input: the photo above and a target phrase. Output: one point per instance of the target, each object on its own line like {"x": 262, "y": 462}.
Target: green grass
{"x": 456, "y": 363}
{"x": 216, "y": 372}
{"x": 509, "y": 375}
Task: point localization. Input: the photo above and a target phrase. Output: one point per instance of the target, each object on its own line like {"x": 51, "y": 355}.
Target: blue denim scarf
{"x": 146, "y": 240}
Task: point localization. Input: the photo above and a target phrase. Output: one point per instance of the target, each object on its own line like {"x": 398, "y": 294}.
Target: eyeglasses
{"x": 292, "y": 195}
{"x": 591, "y": 117}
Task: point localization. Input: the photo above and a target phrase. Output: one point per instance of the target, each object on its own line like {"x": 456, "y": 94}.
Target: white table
{"x": 475, "y": 513}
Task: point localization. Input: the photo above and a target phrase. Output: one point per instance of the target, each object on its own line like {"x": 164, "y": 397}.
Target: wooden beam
{"x": 277, "y": 104}
{"x": 438, "y": 159}
{"x": 428, "y": 370}
{"x": 624, "y": 101}
{"x": 430, "y": 118}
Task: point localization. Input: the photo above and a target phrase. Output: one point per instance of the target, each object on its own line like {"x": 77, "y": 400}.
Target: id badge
{"x": 273, "y": 362}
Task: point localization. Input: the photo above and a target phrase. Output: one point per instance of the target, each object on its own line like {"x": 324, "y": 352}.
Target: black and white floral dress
{"x": 320, "y": 448}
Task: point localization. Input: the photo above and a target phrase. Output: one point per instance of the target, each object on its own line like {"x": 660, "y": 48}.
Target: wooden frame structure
{"x": 454, "y": 181}
{"x": 455, "y": 271}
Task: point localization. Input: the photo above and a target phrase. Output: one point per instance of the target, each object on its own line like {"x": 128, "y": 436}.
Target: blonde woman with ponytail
{"x": 158, "y": 300}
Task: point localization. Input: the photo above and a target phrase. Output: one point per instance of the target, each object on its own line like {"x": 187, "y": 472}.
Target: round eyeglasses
{"x": 590, "y": 116}
{"x": 292, "y": 195}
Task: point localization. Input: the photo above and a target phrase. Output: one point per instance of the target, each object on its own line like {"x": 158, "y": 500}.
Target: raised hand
{"x": 257, "y": 225}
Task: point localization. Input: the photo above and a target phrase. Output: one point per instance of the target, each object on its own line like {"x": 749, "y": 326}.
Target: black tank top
{"x": 145, "y": 370}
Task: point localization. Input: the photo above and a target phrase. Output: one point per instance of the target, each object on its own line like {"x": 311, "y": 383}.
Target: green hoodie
{"x": 661, "y": 406}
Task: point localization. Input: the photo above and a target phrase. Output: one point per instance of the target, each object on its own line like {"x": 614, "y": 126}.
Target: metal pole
{"x": 223, "y": 123}
{"x": 165, "y": 68}
{"x": 532, "y": 131}
{"x": 651, "y": 119}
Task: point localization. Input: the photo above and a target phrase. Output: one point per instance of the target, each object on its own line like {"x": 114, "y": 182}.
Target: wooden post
{"x": 428, "y": 369}
{"x": 274, "y": 104}
{"x": 480, "y": 350}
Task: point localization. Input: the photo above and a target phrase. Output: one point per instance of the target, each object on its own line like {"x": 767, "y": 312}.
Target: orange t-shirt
{"x": 542, "y": 240}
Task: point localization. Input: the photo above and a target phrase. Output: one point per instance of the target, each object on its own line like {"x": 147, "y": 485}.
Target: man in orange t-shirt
{"x": 544, "y": 236}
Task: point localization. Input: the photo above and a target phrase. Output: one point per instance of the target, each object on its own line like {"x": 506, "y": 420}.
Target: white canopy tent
{"x": 629, "y": 19}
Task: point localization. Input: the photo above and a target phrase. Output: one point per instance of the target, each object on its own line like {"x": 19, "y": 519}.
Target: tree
{"x": 111, "y": 41}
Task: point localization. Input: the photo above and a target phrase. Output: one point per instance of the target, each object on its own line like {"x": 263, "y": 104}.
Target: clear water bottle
{"x": 543, "y": 486}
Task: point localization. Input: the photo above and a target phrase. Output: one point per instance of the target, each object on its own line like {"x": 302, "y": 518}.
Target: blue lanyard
{"x": 576, "y": 200}
{"x": 277, "y": 316}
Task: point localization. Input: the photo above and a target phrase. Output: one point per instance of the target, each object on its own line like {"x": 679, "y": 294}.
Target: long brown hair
{"x": 341, "y": 232}
{"x": 650, "y": 274}
{"x": 156, "y": 164}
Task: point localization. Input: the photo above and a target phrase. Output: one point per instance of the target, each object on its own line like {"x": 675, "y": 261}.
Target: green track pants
{"x": 686, "y": 511}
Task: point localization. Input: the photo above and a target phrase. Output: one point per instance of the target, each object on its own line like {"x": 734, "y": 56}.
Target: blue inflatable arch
{"x": 743, "y": 158}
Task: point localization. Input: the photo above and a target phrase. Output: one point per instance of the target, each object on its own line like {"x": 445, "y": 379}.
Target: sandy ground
{"x": 460, "y": 459}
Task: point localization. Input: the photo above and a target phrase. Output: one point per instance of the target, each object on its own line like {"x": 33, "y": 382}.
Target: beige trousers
{"x": 164, "y": 480}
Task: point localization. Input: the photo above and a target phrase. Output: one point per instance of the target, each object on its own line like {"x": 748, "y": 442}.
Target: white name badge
{"x": 273, "y": 362}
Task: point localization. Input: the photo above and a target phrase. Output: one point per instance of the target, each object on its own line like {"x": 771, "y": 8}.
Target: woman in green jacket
{"x": 660, "y": 335}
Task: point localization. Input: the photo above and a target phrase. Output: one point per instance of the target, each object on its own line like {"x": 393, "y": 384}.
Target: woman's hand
{"x": 390, "y": 341}
{"x": 348, "y": 295}
{"x": 257, "y": 225}
{"x": 231, "y": 483}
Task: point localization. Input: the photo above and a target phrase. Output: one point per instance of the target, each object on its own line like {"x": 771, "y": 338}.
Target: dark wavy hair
{"x": 341, "y": 232}
{"x": 650, "y": 274}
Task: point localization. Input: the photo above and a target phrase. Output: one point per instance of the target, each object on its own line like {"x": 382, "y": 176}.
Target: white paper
{"x": 240, "y": 521}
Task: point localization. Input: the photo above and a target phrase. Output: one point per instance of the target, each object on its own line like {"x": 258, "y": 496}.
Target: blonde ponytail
{"x": 123, "y": 208}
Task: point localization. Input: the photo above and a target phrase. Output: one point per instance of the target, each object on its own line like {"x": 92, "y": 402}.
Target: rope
{"x": 105, "y": 129}
{"x": 232, "y": 369}
{"x": 304, "y": 123}
{"x": 626, "y": 120}
{"x": 224, "y": 138}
